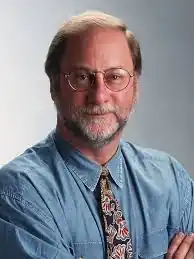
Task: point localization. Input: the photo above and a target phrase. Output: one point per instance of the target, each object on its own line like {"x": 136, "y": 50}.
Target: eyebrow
{"x": 80, "y": 66}
{"x": 86, "y": 67}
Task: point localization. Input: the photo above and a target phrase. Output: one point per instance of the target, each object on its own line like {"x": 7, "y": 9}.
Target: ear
{"x": 54, "y": 85}
{"x": 136, "y": 90}
{"x": 52, "y": 92}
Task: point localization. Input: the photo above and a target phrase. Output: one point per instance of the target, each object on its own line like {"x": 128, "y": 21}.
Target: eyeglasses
{"x": 115, "y": 79}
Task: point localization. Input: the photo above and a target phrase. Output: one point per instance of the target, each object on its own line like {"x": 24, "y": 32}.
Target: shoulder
{"x": 27, "y": 185}
{"x": 28, "y": 170}
{"x": 138, "y": 152}
{"x": 160, "y": 176}
{"x": 154, "y": 162}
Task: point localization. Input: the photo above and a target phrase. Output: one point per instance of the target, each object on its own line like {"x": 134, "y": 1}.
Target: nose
{"x": 98, "y": 93}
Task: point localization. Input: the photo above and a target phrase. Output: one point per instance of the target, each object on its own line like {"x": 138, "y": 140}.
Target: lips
{"x": 95, "y": 114}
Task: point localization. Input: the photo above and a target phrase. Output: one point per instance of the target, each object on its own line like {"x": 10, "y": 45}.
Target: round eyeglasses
{"x": 115, "y": 79}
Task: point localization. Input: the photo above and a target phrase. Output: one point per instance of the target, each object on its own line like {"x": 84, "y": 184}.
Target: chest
{"x": 146, "y": 215}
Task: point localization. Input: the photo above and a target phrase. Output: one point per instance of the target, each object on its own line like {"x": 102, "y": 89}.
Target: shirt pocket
{"x": 89, "y": 250}
{"x": 153, "y": 245}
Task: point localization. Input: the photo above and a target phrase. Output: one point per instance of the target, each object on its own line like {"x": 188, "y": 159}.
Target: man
{"x": 83, "y": 192}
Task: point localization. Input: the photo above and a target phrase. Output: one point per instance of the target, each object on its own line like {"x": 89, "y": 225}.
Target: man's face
{"x": 98, "y": 114}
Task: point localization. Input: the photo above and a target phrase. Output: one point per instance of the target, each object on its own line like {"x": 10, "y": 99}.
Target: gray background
{"x": 164, "y": 114}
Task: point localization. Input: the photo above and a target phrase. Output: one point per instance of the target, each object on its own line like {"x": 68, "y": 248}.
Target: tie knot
{"x": 105, "y": 172}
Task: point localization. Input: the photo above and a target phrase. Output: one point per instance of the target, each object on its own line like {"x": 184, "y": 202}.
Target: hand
{"x": 181, "y": 247}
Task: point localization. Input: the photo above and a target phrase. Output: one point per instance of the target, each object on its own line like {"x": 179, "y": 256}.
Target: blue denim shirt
{"x": 49, "y": 201}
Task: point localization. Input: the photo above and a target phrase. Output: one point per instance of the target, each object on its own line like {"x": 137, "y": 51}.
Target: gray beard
{"x": 80, "y": 129}
{"x": 79, "y": 125}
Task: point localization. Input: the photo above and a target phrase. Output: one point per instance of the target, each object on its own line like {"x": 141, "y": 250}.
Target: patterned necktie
{"x": 119, "y": 245}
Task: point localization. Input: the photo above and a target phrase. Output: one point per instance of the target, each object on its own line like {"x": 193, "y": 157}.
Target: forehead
{"x": 98, "y": 48}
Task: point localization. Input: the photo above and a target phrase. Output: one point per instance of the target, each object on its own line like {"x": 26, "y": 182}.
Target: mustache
{"x": 96, "y": 109}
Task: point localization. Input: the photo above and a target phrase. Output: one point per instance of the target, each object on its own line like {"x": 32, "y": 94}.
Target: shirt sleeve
{"x": 26, "y": 229}
{"x": 186, "y": 197}
{"x": 187, "y": 221}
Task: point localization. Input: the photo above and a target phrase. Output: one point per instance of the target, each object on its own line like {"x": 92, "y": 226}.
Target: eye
{"x": 115, "y": 76}
{"x": 80, "y": 79}
{"x": 81, "y": 76}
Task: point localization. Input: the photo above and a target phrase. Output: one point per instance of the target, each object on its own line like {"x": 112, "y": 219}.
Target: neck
{"x": 99, "y": 155}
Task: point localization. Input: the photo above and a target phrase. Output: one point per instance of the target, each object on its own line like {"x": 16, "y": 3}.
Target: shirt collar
{"x": 87, "y": 170}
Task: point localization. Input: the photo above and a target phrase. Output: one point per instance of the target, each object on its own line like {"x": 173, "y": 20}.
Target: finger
{"x": 184, "y": 247}
{"x": 190, "y": 254}
{"x": 177, "y": 240}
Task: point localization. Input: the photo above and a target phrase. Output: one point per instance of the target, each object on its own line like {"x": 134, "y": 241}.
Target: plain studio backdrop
{"x": 164, "y": 116}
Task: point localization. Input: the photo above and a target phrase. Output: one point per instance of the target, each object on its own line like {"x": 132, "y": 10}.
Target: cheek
{"x": 125, "y": 99}
{"x": 70, "y": 97}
